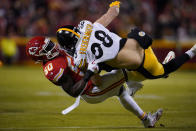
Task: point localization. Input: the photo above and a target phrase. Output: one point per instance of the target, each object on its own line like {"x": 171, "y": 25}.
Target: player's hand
{"x": 115, "y": 3}
{"x": 114, "y": 8}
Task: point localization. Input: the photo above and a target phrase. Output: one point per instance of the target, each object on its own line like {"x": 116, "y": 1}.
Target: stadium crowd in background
{"x": 171, "y": 19}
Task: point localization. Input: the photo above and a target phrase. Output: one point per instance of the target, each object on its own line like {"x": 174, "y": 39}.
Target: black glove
{"x": 88, "y": 75}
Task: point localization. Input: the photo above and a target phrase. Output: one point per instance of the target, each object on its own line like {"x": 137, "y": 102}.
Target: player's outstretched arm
{"x": 76, "y": 89}
{"x": 66, "y": 84}
{"x": 109, "y": 16}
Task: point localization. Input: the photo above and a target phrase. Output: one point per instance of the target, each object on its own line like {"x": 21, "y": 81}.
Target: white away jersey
{"x": 96, "y": 44}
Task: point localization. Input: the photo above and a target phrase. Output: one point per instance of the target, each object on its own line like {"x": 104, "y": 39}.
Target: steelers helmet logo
{"x": 141, "y": 33}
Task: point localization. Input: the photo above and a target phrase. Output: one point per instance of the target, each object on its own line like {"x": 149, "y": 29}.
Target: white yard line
{"x": 143, "y": 96}
{"x": 97, "y": 127}
{"x": 74, "y": 127}
{"x": 148, "y": 96}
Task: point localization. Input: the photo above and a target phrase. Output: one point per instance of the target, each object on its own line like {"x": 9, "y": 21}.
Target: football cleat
{"x": 169, "y": 57}
{"x": 133, "y": 87}
{"x": 150, "y": 120}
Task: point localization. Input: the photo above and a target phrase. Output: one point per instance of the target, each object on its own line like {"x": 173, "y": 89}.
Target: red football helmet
{"x": 41, "y": 49}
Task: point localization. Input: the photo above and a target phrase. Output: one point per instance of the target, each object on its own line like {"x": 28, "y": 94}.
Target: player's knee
{"x": 141, "y": 37}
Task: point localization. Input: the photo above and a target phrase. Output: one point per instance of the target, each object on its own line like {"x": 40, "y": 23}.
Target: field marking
{"x": 78, "y": 127}
{"x": 97, "y": 127}
{"x": 45, "y": 93}
{"x": 149, "y": 96}
{"x": 187, "y": 111}
{"x": 75, "y": 127}
{"x": 143, "y": 96}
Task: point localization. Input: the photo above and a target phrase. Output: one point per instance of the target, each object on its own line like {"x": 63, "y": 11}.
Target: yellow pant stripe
{"x": 151, "y": 64}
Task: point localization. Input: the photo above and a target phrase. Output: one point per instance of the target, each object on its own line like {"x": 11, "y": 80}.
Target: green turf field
{"x": 28, "y": 101}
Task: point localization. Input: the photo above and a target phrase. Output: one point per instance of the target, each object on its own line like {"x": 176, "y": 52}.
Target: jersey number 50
{"x": 48, "y": 68}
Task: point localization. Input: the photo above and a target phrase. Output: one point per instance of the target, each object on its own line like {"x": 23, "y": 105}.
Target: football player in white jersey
{"x": 96, "y": 48}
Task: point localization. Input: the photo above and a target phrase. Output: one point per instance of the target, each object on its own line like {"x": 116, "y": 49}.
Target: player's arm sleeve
{"x": 77, "y": 88}
{"x": 73, "y": 90}
{"x": 109, "y": 16}
{"x": 66, "y": 84}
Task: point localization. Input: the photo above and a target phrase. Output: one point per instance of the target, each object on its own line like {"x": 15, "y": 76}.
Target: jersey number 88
{"x": 106, "y": 41}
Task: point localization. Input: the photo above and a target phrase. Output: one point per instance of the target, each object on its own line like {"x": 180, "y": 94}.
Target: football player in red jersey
{"x": 59, "y": 68}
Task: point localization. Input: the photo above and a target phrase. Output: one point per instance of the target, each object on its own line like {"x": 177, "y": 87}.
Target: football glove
{"x": 115, "y": 3}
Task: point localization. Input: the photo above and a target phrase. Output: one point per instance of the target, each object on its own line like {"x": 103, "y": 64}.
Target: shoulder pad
{"x": 82, "y": 25}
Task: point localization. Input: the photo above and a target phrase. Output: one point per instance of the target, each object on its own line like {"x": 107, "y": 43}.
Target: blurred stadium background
{"x": 171, "y": 23}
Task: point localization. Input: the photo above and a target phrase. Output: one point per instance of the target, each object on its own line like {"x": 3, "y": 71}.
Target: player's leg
{"x": 191, "y": 52}
{"x": 129, "y": 57}
{"x": 177, "y": 62}
{"x": 110, "y": 86}
{"x": 135, "y": 78}
{"x": 171, "y": 55}
{"x": 128, "y": 103}
{"x": 133, "y": 87}
{"x": 153, "y": 69}
{"x": 131, "y": 53}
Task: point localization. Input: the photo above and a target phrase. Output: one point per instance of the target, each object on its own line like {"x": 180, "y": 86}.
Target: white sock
{"x": 129, "y": 103}
{"x": 190, "y": 53}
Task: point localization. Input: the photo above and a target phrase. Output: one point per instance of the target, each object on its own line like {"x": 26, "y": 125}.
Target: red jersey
{"x": 63, "y": 65}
